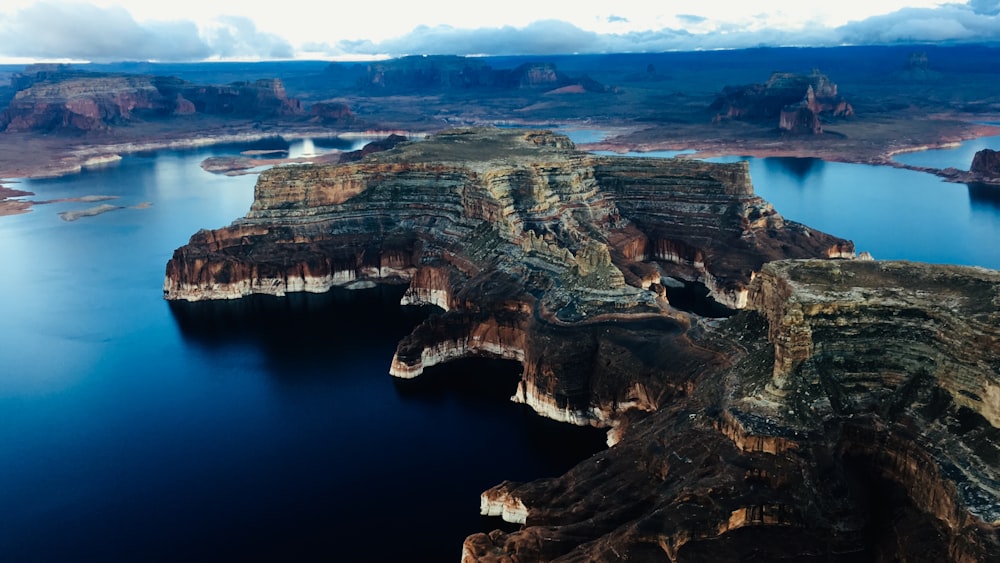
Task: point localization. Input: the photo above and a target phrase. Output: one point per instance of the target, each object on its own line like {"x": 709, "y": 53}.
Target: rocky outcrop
{"x": 850, "y": 414}
{"x": 454, "y": 73}
{"x": 332, "y": 113}
{"x": 986, "y": 166}
{"x": 796, "y": 100}
{"x": 536, "y": 252}
{"x": 54, "y": 99}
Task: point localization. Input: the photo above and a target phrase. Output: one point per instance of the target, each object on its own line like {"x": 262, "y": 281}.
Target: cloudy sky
{"x": 194, "y": 30}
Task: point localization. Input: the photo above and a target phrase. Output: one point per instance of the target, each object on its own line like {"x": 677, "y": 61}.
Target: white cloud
{"x": 51, "y": 29}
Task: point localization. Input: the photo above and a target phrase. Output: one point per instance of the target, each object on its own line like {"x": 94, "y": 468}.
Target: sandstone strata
{"x": 986, "y": 166}
{"x": 60, "y": 99}
{"x": 851, "y": 414}
{"x": 796, "y": 100}
{"x": 537, "y": 252}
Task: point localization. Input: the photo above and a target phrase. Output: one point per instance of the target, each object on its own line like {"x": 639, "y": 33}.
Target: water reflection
{"x": 795, "y": 167}
{"x": 984, "y": 197}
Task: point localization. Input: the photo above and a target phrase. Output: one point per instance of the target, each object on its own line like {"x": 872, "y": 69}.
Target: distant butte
{"x": 797, "y": 100}
{"x": 61, "y": 99}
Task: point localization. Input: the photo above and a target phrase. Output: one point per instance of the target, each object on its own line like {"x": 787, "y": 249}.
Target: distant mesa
{"x": 59, "y": 98}
{"x": 331, "y": 113}
{"x": 798, "y": 101}
{"x": 455, "y": 73}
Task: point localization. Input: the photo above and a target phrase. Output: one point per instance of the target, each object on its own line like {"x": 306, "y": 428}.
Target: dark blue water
{"x": 133, "y": 430}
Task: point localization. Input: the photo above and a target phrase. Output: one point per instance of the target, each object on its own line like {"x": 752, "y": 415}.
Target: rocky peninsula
{"x": 846, "y": 409}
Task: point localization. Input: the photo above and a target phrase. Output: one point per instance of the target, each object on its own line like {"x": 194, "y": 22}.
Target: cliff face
{"x": 850, "y": 414}
{"x": 60, "y": 99}
{"x": 986, "y": 166}
{"x": 796, "y": 100}
{"x": 448, "y": 73}
{"x": 850, "y": 411}
{"x": 532, "y": 247}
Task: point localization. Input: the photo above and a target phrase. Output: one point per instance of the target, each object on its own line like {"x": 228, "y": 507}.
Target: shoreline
{"x": 69, "y": 156}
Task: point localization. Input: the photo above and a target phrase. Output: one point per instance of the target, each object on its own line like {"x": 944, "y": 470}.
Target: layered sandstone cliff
{"x": 851, "y": 414}
{"x": 986, "y": 166}
{"x": 536, "y": 251}
{"x": 797, "y": 100}
{"x": 61, "y": 99}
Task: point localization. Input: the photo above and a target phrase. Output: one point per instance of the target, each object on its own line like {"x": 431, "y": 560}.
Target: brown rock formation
{"x": 851, "y": 412}
{"x": 533, "y": 248}
{"x": 986, "y": 166}
{"x": 797, "y": 100}
{"x": 850, "y": 415}
{"x": 61, "y": 99}
{"x": 332, "y": 113}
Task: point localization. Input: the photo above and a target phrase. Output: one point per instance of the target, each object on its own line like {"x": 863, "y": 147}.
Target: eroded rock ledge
{"x": 535, "y": 251}
{"x": 850, "y": 415}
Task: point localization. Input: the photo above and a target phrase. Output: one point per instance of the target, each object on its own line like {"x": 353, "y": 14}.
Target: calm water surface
{"x": 891, "y": 213}
{"x": 131, "y": 430}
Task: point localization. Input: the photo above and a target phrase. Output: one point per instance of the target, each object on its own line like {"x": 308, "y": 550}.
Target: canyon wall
{"x": 536, "y": 252}
{"x": 851, "y": 414}
{"x": 60, "y": 99}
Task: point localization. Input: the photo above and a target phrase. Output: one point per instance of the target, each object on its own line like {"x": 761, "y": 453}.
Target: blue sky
{"x": 187, "y": 30}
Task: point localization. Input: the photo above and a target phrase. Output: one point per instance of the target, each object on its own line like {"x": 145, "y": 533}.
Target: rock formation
{"x": 851, "y": 413}
{"x": 986, "y": 166}
{"x": 454, "y": 73}
{"x": 520, "y": 238}
{"x": 332, "y": 113}
{"x": 797, "y": 101}
{"x": 61, "y": 99}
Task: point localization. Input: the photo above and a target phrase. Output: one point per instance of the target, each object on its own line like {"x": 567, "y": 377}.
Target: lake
{"x": 133, "y": 429}
{"x": 892, "y": 213}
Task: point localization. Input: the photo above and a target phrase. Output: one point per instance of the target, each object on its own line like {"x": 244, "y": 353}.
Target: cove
{"x": 892, "y": 213}
{"x": 131, "y": 429}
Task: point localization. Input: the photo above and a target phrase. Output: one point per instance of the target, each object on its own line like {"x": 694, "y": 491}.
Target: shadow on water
{"x": 795, "y": 167}
{"x": 358, "y": 453}
{"x": 486, "y": 383}
{"x": 300, "y": 323}
{"x": 985, "y": 196}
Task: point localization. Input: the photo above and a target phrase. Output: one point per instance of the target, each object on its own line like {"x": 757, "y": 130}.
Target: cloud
{"x": 951, "y": 22}
{"x": 51, "y": 30}
{"x": 985, "y": 7}
{"x": 83, "y": 31}
{"x": 947, "y": 23}
{"x": 545, "y": 37}
{"x": 691, "y": 19}
{"x": 238, "y": 37}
